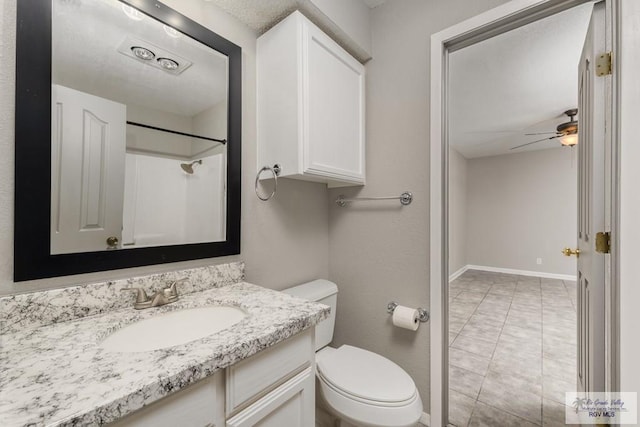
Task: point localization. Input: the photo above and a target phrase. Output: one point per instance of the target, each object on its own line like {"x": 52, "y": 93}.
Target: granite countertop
{"x": 57, "y": 375}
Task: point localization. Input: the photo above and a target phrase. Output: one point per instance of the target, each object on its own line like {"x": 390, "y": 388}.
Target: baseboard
{"x": 425, "y": 419}
{"x": 521, "y": 272}
{"x": 453, "y": 276}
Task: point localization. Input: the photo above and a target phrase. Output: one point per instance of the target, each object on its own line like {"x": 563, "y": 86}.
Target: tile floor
{"x": 512, "y": 349}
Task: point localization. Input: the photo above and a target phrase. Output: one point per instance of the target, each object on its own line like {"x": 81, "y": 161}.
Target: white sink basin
{"x": 173, "y": 328}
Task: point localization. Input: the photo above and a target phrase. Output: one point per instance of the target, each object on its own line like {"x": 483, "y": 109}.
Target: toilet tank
{"x": 324, "y": 292}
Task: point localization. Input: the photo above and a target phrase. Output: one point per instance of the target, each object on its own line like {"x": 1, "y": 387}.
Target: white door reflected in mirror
{"x": 87, "y": 168}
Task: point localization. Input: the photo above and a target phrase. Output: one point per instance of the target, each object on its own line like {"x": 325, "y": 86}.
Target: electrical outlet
{"x": 539, "y": 261}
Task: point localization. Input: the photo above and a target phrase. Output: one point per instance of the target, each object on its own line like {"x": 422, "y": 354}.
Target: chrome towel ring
{"x": 275, "y": 170}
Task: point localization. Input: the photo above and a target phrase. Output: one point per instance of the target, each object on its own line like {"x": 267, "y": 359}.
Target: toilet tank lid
{"x": 313, "y": 291}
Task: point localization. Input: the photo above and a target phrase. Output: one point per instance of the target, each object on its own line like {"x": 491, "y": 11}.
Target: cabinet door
{"x": 334, "y": 117}
{"x": 199, "y": 405}
{"x": 290, "y": 405}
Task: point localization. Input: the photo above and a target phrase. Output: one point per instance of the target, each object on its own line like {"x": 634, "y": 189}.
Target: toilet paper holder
{"x": 423, "y": 314}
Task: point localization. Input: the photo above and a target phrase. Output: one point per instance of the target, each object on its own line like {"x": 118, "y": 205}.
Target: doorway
{"x": 512, "y": 208}
{"x": 483, "y": 27}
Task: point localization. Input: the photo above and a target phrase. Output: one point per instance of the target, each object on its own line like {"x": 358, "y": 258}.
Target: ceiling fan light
{"x": 569, "y": 140}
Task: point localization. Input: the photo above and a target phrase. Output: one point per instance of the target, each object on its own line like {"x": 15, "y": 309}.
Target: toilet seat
{"x": 367, "y": 389}
{"x": 360, "y": 399}
{"x": 366, "y": 375}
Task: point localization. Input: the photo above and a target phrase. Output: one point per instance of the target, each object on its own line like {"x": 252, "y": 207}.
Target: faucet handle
{"x": 172, "y": 289}
{"x": 141, "y": 295}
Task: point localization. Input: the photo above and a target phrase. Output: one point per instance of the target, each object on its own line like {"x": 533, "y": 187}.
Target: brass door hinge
{"x": 603, "y": 64}
{"x": 603, "y": 242}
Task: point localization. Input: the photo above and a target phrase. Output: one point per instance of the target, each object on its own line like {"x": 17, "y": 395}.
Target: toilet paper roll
{"x": 406, "y": 317}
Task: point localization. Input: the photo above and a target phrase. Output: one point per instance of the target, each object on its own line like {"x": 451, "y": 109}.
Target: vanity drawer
{"x": 252, "y": 378}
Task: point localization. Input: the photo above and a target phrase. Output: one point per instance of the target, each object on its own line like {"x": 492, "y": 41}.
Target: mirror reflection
{"x": 139, "y": 128}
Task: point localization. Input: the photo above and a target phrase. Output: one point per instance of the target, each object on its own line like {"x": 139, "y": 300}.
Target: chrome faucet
{"x": 162, "y": 297}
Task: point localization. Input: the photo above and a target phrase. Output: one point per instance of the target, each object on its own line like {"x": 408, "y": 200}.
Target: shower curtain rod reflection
{"x": 222, "y": 141}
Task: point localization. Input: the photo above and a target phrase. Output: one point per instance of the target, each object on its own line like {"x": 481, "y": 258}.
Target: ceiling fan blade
{"x": 541, "y": 133}
{"x": 533, "y": 142}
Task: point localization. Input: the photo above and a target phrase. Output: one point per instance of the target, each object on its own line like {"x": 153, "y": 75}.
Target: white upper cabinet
{"x": 311, "y": 111}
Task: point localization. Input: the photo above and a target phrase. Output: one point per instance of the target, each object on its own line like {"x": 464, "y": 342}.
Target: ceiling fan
{"x": 566, "y": 133}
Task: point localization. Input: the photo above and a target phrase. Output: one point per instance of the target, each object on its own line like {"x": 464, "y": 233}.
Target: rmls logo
{"x": 601, "y": 408}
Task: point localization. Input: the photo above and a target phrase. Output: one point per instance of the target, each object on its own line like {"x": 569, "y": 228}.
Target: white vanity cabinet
{"x": 311, "y": 105}
{"x": 273, "y": 388}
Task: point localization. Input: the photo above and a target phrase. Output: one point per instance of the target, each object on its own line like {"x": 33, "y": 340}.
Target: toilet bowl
{"x": 358, "y": 386}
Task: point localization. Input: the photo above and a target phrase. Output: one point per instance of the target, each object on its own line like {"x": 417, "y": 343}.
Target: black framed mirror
{"x": 128, "y": 138}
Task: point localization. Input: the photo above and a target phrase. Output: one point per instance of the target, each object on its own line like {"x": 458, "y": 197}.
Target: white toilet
{"x": 358, "y": 386}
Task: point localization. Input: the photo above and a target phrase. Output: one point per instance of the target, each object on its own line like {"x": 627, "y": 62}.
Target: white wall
{"x": 379, "y": 252}
{"x": 458, "y": 165}
{"x": 284, "y": 241}
{"x": 521, "y": 207}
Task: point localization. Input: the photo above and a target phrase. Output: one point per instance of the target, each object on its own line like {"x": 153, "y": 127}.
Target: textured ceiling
{"x": 516, "y": 83}
{"x": 86, "y": 38}
{"x": 261, "y": 15}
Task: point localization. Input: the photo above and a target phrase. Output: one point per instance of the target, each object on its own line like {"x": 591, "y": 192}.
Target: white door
{"x": 591, "y": 207}
{"x": 87, "y": 174}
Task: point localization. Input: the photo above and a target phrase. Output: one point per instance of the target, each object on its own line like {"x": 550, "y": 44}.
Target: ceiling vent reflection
{"x": 144, "y": 52}
{"x": 168, "y": 64}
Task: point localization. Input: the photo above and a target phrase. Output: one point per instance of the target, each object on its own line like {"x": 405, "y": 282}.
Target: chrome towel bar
{"x": 405, "y": 199}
